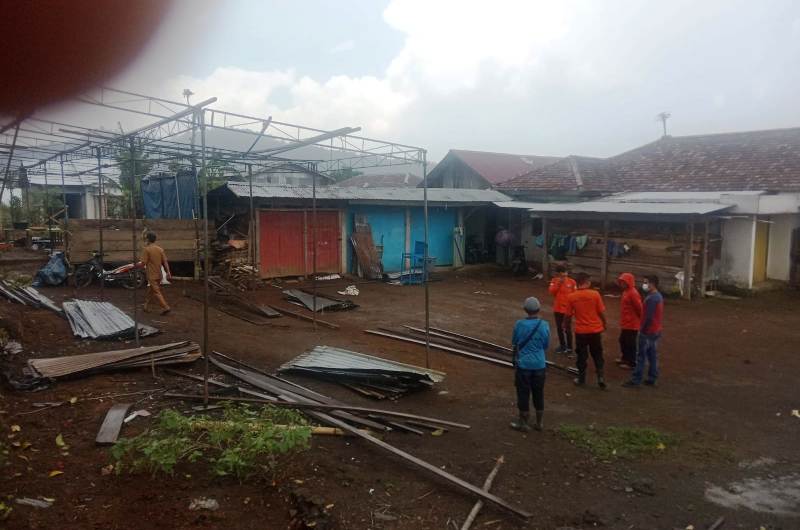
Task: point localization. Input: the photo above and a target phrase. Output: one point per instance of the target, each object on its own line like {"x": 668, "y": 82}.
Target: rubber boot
{"x": 539, "y": 420}
{"x": 522, "y": 424}
{"x": 601, "y": 381}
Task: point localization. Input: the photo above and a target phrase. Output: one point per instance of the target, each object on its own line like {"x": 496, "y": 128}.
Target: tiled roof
{"x": 572, "y": 173}
{"x": 754, "y": 160}
{"x": 499, "y": 167}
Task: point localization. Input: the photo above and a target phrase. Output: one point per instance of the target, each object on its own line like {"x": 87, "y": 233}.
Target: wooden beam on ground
{"x": 687, "y": 261}
{"x": 300, "y": 316}
{"x": 704, "y": 262}
{"x": 314, "y": 406}
{"x": 487, "y": 485}
{"x": 112, "y": 424}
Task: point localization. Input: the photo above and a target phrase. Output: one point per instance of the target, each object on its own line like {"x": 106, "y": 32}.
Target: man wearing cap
{"x": 587, "y": 308}
{"x": 530, "y": 340}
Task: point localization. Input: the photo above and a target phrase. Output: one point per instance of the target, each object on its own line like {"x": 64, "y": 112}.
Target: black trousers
{"x": 628, "y": 340}
{"x": 564, "y": 334}
{"x": 586, "y": 344}
{"x": 530, "y": 384}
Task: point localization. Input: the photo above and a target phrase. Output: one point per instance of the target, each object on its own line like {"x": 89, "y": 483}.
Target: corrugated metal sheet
{"x": 618, "y": 207}
{"x": 327, "y": 357}
{"x": 101, "y": 320}
{"x": 405, "y": 195}
{"x": 681, "y": 196}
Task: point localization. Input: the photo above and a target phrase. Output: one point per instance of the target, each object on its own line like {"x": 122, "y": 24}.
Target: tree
{"x": 345, "y": 173}
{"x": 129, "y": 182}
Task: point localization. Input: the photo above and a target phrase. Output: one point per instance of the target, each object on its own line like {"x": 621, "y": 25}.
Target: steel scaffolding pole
{"x": 425, "y": 261}
{"x": 134, "y": 243}
{"x": 206, "y": 257}
{"x": 100, "y": 226}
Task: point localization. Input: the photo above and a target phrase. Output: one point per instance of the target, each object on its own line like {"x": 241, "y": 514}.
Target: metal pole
{"x": 132, "y": 206}
{"x": 64, "y": 235}
{"x": 8, "y": 163}
{"x": 100, "y": 226}
{"x": 206, "y": 257}
{"x": 425, "y": 261}
{"x": 314, "y": 246}
{"x": 252, "y": 231}
{"x": 47, "y": 211}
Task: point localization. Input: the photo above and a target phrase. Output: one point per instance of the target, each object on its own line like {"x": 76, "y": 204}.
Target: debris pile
{"x": 72, "y": 365}
{"x": 271, "y": 390}
{"x": 370, "y": 376}
{"x": 227, "y": 299}
{"x": 323, "y": 303}
{"x": 101, "y": 321}
{"x": 27, "y": 296}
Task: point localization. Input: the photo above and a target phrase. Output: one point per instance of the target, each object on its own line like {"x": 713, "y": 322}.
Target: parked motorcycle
{"x": 129, "y": 276}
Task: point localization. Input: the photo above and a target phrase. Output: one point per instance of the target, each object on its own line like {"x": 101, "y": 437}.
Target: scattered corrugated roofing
{"x": 435, "y": 195}
{"x": 620, "y": 207}
{"x": 101, "y": 320}
{"x": 328, "y": 357}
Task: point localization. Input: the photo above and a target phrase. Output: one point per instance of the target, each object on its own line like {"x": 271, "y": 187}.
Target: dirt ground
{"x": 728, "y": 386}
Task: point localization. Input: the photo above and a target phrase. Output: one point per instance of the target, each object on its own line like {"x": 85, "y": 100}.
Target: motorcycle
{"x": 129, "y": 276}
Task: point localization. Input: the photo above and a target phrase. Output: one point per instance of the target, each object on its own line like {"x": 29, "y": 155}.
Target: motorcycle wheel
{"x": 83, "y": 276}
{"x": 135, "y": 280}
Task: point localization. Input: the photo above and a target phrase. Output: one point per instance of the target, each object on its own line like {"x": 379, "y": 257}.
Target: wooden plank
{"x": 109, "y": 430}
{"x": 465, "y": 486}
{"x": 604, "y": 258}
{"x": 295, "y": 314}
{"x": 487, "y": 485}
{"x": 704, "y": 261}
{"x": 315, "y": 406}
{"x": 687, "y": 262}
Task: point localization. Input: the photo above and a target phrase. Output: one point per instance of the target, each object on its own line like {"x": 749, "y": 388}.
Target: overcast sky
{"x": 550, "y": 78}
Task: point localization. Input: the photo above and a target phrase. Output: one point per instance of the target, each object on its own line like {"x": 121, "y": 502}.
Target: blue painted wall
{"x": 388, "y": 225}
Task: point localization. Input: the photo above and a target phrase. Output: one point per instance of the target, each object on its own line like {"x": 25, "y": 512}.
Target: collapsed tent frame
{"x": 31, "y": 145}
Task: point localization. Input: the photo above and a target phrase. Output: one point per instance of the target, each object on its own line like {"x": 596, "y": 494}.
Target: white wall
{"x": 738, "y": 238}
{"x": 780, "y": 240}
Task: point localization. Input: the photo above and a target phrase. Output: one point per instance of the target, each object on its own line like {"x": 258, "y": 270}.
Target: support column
{"x": 407, "y": 247}
{"x": 687, "y": 261}
{"x": 604, "y": 261}
{"x": 545, "y": 256}
{"x": 704, "y": 262}
{"x": 458, "y": 240}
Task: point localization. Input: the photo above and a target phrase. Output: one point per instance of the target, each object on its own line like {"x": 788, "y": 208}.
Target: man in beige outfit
{"x": 153, "y": 258}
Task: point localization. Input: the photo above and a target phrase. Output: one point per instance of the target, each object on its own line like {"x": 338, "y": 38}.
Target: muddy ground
{"x": 729, "y": 383}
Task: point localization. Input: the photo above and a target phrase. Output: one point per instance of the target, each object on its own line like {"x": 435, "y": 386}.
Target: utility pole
{"x": 663, "y": 117}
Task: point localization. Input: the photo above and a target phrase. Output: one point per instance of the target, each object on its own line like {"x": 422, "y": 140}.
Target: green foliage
{"x": 241, "y": 442}
{"x": 15, "y": 208}
{"x": 618, "y": 442}
{"x": 133, "y": 166}
{"x": 339, "y": 175}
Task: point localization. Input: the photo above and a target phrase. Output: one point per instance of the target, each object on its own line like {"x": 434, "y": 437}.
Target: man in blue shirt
{"x": 530, "y": 341}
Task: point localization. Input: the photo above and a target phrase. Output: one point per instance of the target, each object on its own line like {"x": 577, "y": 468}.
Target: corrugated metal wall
{"x": 286, "y": 243}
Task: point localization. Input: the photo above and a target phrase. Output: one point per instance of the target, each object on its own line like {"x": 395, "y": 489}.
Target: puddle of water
{"x": 778, "y": 495}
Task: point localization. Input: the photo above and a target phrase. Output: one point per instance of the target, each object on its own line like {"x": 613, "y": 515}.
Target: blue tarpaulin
{"x": 54, "y": 273}
{"x": 168, "y": 196}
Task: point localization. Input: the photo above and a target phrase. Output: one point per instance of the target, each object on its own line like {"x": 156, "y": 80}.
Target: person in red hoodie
{"x": 561, "y": 286}
{"x": 649, "y": 333}
{"x": 630, "y": 320}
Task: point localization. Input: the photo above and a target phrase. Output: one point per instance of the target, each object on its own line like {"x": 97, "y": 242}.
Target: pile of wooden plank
{"x": 74, "y": 365}
{"x": 370, "y": 376}
{"x": 227, "y": 299}
{"x": 369, "y": 262}
{"x": 350, "y": 419}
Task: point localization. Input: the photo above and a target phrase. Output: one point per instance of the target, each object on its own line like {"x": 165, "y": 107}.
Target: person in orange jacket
{"x": 561, "y": 286}
{"x": 630, "y": 319}
{"x": 586, "y": 306}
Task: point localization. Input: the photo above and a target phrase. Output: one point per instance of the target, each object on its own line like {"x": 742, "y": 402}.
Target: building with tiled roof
{"x": 481, "y": 169}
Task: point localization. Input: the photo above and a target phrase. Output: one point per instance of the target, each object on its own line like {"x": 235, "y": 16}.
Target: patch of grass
{"x": 240, "y": 443}
{"x": 617, "y": 442}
